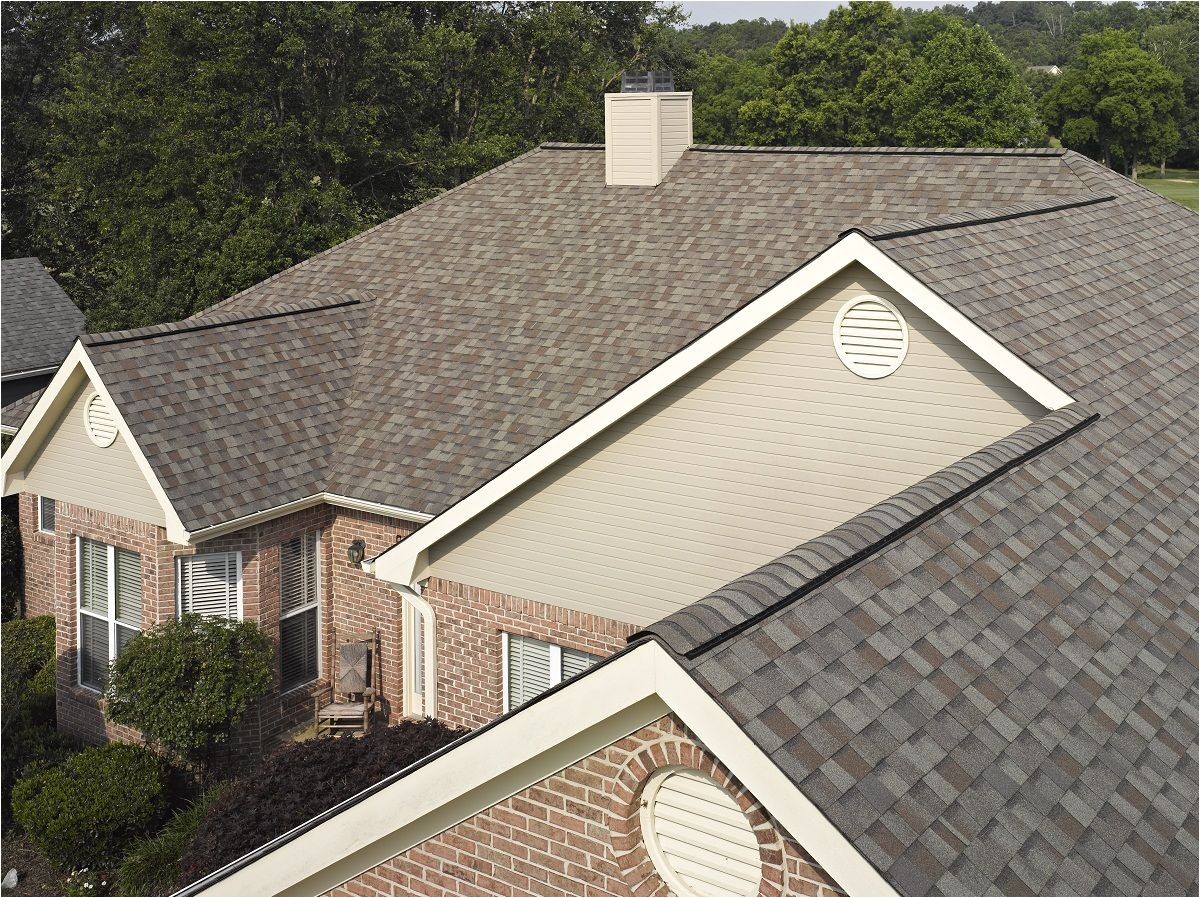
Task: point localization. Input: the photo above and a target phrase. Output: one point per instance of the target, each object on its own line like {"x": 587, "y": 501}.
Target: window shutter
{"x": 129, "y": 588}
{"x": 529, "y": 669}
{"x": 575, "y": 662}
{"x": 93, "y": 577}
{"x": 208, "y": 585}
{"x": 93, "y": 651}
{"x": 46, "y": 514}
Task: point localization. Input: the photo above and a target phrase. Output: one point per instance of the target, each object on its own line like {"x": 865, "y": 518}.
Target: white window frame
{"x": 556, "y": 667}
{"x": 282, "y": 617}
{"x": 179, "y": 580}
{"x": 80, "y": 611}
{"x": 40, "y": 520}
{"x": 419, "y": 701}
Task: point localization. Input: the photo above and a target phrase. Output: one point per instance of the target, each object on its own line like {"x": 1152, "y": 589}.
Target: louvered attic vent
{"x": 99, "y": 421}
{"x": 870, "y": 336}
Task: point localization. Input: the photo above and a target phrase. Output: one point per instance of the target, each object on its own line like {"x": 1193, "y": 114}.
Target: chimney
{"x": 647, "y": 126}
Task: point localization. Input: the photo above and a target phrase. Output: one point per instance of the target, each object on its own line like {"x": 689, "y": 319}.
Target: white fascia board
{"x": 402, "y": 563}
{"x": 28, "y": 372}
{"x": 278, "y": 511}
{"x": 590, "y": 713}
{"x": 7, "y": 429}
{"x": 44, "y": 414}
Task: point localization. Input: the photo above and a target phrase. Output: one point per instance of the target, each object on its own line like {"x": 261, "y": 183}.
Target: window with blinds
{"x": 109, "y": 584}
{"x": 299, "y": 591}
{"x": 210, "y": 584}
{"x": 533, "y": 666}
{"x": 45, "y": 514}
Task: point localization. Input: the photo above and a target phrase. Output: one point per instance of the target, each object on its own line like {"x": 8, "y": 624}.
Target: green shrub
{"x": 27, "y": 670}
{"x": 152, "y": 866}
{"x": 88, "y": 810}
{"x": 27, "y": 749}
{"x": 186, "y": 682}
{"x": 12, "y": 561}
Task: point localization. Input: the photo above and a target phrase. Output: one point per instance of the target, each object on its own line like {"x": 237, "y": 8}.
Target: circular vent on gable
{"x": 99, "y": 421}
{"x": 870, "y": 336}
{"x": 698, "y": 838}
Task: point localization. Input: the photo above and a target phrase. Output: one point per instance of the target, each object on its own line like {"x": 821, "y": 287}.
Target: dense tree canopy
{"x": 1117, "y": 102}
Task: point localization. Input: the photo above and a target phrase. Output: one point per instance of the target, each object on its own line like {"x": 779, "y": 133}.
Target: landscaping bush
{"x": 186, "y": 682}
{"x": 88, "y": 810}
{"x": 28, "y": 749}
{"x": 27, "y": 668}
{"x": 300, "y": 781}
{"x": 152, "y": 866}
{"x": 12, "y": 561}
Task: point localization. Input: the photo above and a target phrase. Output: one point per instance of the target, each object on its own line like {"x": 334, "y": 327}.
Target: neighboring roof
{"x": 38, "y": 322}
{"x": 238, "y": 411}
{"x": 989, "y": 682}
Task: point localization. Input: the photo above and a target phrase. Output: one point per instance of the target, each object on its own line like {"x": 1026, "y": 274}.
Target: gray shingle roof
{"x": 989, "y": 682}
{"x": 39, "y": 322}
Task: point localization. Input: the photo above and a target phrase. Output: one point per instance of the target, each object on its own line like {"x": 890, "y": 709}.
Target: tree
{"x": 185, "y": 683}
{"x": 962, "y": 92}
{"x": 1117, "y": 102}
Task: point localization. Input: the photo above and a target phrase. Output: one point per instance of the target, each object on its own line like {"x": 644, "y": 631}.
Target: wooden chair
{"x": 352, "y": 698}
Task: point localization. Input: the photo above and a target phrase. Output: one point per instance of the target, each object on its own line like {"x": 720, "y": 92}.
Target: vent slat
{"x": 870, "y": 337}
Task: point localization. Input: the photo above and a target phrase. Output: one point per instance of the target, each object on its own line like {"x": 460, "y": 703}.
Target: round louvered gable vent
{"x": 698, "y": 838}
{"x": 870, "y": 336}
{"x": 99, "y": 421}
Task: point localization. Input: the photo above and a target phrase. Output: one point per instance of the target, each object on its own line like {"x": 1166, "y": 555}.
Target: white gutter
{"x": 29, "y": 372}
{"x": 278, "y": 511}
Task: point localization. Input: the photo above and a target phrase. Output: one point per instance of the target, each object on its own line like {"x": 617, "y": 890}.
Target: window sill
{"x": 310, "y": 686}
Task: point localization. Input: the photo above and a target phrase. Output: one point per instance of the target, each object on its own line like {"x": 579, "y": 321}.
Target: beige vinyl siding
{"x": 631, "y": 140}
{"x": 675, "y": 118}
{"x": 769, "y": 444}
{"x": 71, "y": 468}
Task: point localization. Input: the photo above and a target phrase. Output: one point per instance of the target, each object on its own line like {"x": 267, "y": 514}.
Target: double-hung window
{"x": 109, "y": 585}
{"x": 532, "y": 666}
{"x": 210, "y": 584}
{"x": 299, "y": 619}
{"x": 45, "y": 514}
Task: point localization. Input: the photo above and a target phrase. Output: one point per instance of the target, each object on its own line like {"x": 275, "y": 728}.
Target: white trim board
{"x": 405, "y": 562}
{"x": 544, "y": 737}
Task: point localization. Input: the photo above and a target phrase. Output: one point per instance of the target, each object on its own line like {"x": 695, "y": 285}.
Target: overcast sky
{"x": 702, "y": 12}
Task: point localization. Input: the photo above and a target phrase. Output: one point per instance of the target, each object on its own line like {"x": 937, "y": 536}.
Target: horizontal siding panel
{"x": 769, "y": 444}
{"x": 71, "y": 468}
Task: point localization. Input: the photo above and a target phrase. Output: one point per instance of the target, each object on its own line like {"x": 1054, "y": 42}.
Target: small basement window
{"x": 697, "y": 837}
{"x": 870, "y": 336}
{"x": 99, "y": 421}
{"x": 45, "y": 514}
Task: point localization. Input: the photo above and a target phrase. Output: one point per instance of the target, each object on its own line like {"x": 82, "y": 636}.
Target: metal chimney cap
{"x": 647, "y": 82}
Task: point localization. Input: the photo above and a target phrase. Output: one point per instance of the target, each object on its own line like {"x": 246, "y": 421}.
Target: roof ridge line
{"x": 190, "y": 325}
{"x": 872, "y": 548}
{"x": 1049, "y": 152}
{"x": 984, "y": 216}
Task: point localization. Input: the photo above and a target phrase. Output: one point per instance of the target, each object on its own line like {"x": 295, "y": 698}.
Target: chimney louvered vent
{"x": 99, "y": 421}
{"x": 870, "y": 336}
{"x": 647, "y": 82}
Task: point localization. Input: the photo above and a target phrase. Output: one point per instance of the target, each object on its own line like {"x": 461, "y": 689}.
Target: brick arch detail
{"x": 624, "y": 814}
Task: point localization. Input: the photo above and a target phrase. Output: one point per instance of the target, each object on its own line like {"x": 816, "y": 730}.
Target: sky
{"x": 702, "y": 12}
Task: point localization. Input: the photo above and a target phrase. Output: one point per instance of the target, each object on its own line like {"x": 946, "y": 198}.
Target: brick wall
{"x": 578, "y": 833}
{"x": 38, "y": 549}
{"x": 469, "y": 624}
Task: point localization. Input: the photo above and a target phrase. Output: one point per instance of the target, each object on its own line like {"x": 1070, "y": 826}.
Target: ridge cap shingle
{"x": 975, "y": 217}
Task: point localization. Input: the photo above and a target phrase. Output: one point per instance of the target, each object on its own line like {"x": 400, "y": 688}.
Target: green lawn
{"x": 1179, "y": 184}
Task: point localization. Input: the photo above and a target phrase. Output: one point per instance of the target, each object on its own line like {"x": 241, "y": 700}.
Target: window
{"x": 420, "y": 678}
{"x": 299, "y": 617}
{"x": 45, "y": 514}
{"x": 210, "y": 584}
{"x": 697, "y": 837}
{"x": 109, "y": 586}
{"x": 870, "y": 336}
{"x": 532, "y": 666}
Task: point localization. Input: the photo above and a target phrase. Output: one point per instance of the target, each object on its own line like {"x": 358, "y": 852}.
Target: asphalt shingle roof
{"x": 39, "y": 322}
{"x": 989, "y": 681}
